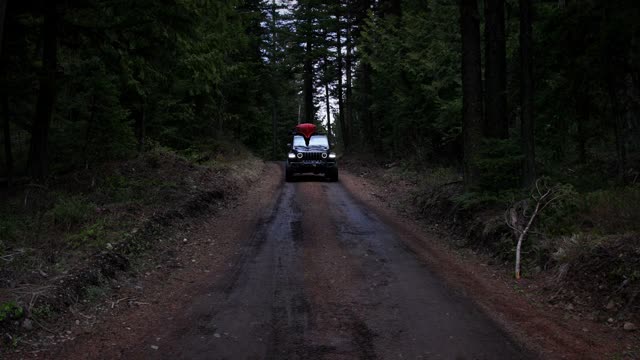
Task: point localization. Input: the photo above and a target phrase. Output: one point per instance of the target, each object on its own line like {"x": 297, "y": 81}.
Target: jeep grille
{"x": 312, "y": 156}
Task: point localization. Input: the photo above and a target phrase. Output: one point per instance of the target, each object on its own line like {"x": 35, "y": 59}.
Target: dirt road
{"x": 322, "y": 277}
{"x": 315, "y": 274}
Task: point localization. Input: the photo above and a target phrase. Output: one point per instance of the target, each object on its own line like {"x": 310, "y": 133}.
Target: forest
{"x": 506, "y": 90}
{"x": 523, "y": 105}
{"x": 91, "y": 81}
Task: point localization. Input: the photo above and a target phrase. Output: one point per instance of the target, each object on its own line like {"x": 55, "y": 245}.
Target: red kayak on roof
{"x": 306, "y": 130}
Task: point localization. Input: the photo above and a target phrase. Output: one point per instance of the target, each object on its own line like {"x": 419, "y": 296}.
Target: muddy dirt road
{"x": 317, "y": 275}
{"x": 322, "y": 277}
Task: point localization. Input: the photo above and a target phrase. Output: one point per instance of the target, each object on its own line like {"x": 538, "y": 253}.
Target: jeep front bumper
{"x": 312, "y": 166}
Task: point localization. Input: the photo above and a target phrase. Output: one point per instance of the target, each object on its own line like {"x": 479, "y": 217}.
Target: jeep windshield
{"x": 316, "y": 141}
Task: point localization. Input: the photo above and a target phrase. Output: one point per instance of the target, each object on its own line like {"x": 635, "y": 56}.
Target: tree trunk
{"x": 308, "y": 79}
{"x": 348, "y": 96}
{"x": 6, "y": 126}
{"x": 583, "y": 112}
{"x": 526, "y": 93}
{"x": 326, "y": 96}
{"x": 308, "y": 88}
{"x": 141, "y": 126}
{"x": 341, "y": 120}
{"x": 472, "y": 125}
{"x": 367, "y": 116}
{"x": 276, "y": 96}
{"x": 274, "y": 131}
{"x": 328, "y": 105}
{"x": 220, "y": 132}
{"x": 496, "y": 124}
{"x": 3, "y": 12}
{"x": 619, "y": 129}
{"x": 368, "y": 121}
{"x": 391, "y": 7}
{"x": 89, "y": 130}
{"x": 38, "y": 151}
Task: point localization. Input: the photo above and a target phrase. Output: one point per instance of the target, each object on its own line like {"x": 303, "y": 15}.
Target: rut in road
{"x": 322, "y": 277}
{"x": 260, "y": 307}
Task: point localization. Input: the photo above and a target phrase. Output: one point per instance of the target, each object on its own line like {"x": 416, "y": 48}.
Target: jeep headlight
{"x": 324, "y": 155}
{"x": 292, "y": 156}
{"x": 299, "y": 155}
{"x": 332, "y": 156}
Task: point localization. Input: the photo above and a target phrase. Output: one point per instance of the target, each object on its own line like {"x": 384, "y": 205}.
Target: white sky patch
{"x": 322, "y": 112}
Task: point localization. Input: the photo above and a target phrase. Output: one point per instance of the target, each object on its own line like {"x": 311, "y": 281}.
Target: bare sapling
{"x": 521, "y": 216}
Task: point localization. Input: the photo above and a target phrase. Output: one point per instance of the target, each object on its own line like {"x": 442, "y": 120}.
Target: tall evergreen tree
{"x": 526, "y": 92}
{"x": 39, "y": 150}
{"x": 495, "y": 98}
{"x": 472, "y": 124}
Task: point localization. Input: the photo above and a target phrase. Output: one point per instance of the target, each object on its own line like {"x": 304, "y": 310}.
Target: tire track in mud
{"x": 332, "y": 279}
{"x": 259, "y": 306}
{"x": 291, "y": 309}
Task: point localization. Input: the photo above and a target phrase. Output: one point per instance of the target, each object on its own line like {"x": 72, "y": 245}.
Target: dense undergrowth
{"x": 59, "y": 241}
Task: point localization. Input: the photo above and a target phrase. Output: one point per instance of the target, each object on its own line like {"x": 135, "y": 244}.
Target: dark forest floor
{"x": 63, "y": 245}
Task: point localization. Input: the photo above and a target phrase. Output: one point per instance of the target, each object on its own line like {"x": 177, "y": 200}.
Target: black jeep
{"x": 311, "y": 155}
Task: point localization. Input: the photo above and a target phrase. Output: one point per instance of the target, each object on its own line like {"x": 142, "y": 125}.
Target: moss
{"x": 92, "y": 235}
{"x": 10, "y": 310}
{"x": 95, "y": 293}
{"x": 70, "y": 211}
{"x": 42, "y": 312}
